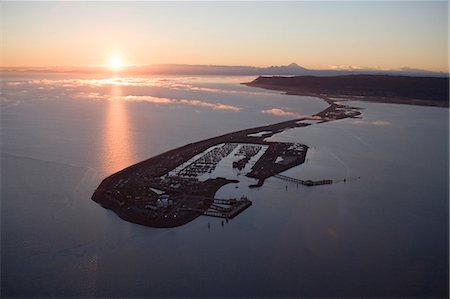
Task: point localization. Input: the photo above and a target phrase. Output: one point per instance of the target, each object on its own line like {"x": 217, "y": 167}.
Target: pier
{"x": 221, "y": 208}
{"x": 227, "y": 208}
{"x": 308, "y": 183}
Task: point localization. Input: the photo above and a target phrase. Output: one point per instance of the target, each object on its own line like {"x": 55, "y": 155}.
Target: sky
{"x": 316, "y": 35}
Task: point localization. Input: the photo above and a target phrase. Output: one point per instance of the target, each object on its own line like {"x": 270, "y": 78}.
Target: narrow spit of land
{"x": 165, "y": 192}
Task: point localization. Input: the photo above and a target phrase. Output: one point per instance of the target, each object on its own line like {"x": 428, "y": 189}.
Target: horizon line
{"x": 293, "y": 65}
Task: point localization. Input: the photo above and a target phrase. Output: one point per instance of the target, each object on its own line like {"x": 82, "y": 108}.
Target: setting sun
{"x": 115, "y": 62}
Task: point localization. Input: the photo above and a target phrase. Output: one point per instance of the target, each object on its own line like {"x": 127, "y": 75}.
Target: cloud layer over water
{"x": 199, "y": 94}
{"x": 280, "y": 112}
{"x": 116, "y": 89}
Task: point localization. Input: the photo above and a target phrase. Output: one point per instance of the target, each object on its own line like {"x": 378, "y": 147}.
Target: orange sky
{"x": 386, "y": 35}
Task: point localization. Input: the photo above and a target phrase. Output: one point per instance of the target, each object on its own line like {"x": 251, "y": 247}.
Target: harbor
{"x": 176, "y": 187}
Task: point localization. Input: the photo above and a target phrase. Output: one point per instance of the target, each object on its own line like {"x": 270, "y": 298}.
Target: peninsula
{"x": 177, "y": 186}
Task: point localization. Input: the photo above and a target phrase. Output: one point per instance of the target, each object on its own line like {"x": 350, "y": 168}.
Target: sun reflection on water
{"x": 118, "y": 144}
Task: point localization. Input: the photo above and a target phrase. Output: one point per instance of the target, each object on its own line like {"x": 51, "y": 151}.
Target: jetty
{"x": 308, "y": 183}
{"x": 227, "y": 208}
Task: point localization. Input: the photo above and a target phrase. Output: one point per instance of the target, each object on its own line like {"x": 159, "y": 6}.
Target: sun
{"x": 116, "y": 62}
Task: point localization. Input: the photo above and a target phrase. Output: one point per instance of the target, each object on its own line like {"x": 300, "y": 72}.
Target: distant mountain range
{"x": 292, "y": 69}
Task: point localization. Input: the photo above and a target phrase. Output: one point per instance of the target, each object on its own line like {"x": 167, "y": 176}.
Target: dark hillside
{"x": 404, "y": 87}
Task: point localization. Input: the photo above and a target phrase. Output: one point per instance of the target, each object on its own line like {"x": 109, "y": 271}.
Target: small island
{"x": 175, "y": 187}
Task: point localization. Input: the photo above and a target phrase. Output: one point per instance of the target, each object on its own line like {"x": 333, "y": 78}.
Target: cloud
{"x": 279, "y": 112}
{"x": 174, "y": 84}
{"x": 14, "y": 83}
{"x": 372, "y": 123}
{"x": 159, "y": 100}
{"x": 97, "y": 90}
{"x": 122, "y": 81}
{"x": 148, "y": 99}
{"x": 215, "y": 106}
{"x": 197, "y": 103}
{"x": 348, "y": 67}
{"x": 216, "y": 90}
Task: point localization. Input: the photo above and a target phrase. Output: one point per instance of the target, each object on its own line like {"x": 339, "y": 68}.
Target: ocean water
{"x": 381, "y": 233}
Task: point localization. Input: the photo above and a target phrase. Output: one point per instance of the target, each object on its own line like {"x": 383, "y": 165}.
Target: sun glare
{"x": 115, "y": 63}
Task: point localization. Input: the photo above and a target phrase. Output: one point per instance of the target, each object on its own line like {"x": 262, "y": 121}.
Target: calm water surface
{"x": 382, "y": 233}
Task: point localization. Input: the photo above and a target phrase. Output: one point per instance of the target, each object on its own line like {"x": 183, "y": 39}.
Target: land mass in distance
{"x": 426, "y": 91}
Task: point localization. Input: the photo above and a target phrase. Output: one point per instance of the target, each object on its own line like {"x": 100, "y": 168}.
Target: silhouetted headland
{"x": 426, "y": 91}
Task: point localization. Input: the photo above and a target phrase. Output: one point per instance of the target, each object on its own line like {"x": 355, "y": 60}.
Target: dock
{"x": 308, "y": 183}
{"x": 227, "y": 208}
